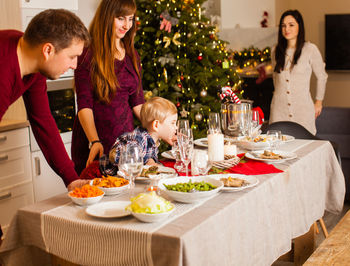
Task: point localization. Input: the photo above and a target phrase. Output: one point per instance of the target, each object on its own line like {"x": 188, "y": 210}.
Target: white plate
{"x": 111, "y": 190}
{"x": 203, "y": 142}
{"x": 190, "y": 197}
{"x": 168, "y": 155}
{"x": 252, "y": 180}
{"x": 109, "y": 209}
{"x": 161, "y": 176}
{"x": 286, "y": 156}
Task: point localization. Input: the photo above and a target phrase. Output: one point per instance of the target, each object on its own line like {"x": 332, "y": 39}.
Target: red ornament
{"x": 211, "y": 36}
{"x": 179, "y": 85}
{"x": 200, "y": 57}
{"x": 182, "y": 77}
{"x": 177, "y": 104}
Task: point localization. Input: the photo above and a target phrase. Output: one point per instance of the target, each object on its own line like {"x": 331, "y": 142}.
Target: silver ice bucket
{"x": 235, "y": 118}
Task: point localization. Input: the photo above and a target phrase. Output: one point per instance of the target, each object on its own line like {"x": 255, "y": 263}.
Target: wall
{"x": 86, "y": 10}
{"x": 247, "y": 14}
{"x": 313, "y": 11}
{"x": 10, "y": 21}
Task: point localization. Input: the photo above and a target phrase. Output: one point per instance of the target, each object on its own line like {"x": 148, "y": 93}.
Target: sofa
{"x": 334, "y": 124}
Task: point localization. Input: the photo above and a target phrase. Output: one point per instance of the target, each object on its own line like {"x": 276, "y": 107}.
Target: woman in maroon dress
{"x": 108, "y": 82}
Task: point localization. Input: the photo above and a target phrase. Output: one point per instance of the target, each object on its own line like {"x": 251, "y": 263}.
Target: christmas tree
{"x": 182, "y": 58}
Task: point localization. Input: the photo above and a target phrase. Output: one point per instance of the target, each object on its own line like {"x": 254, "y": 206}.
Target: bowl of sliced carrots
{"x": 111, "y": 185}
{"x": 86, "y": 195}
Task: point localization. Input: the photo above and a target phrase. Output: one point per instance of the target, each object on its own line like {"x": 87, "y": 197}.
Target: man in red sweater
{"x": 49, "y": 47}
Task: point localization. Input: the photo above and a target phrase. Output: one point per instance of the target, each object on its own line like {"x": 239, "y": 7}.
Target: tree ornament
{"x": 182, "y": 77}
{"x": 165, "y": 73}
{"x": 178, "y": 104}
{"x": 203, "y": 93}
{"x": 198, "y": 117}
{"x": 211, "y": 36}
{"x": 200, "y": 57}
{"x": 179, "y": 85}
{"x": 183, "y": 113}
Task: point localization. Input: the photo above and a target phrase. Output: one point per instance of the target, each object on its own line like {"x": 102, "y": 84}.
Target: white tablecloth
{"x": 251, "y": 227}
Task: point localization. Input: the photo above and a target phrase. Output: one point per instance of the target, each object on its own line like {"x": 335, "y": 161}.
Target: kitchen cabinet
{"x": 16, "y": 187}
{"x": 46, "y": 183}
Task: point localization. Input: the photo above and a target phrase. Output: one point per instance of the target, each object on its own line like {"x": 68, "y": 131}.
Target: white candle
{"x": 216, "y": 147}
{"x": 230, "y": 149}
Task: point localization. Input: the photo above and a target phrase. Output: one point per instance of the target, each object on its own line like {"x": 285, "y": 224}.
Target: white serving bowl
{"x": 111, "y": 190}
{"x": 152, "y": 218}
{"x": 251, "y": 145}
{"x": 85, "y": 201}
{"x": 190, "y": 197}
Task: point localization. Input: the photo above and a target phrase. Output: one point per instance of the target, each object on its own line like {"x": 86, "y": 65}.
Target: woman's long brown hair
{"x": 282, "y": 42}
{"x": 103, "y": 47}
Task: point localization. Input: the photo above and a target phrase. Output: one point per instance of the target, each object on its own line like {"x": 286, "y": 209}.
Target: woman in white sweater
{"x": 294, "y": 60}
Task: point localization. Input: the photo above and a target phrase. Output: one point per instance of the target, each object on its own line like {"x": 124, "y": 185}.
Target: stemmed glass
{"x": 273, "y": 138}
{"x": 131, "y": 163}
{"x": 200, "y": 163}
{"x": 181, "y": 124}
{"x": 185, "y": 142}
{"x": 254, "y": 124}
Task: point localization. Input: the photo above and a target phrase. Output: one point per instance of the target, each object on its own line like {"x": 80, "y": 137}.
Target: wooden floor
{"x": 331, "y": 221}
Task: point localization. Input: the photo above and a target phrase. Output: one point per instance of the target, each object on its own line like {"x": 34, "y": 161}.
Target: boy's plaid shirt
{"x": 140, "y": 137}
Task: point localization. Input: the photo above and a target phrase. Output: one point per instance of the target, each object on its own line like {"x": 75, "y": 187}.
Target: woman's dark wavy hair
{"x": 281, "y": 47}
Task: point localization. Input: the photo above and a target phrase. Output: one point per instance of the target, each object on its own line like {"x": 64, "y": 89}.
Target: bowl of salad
{"x": 149, "y": 207}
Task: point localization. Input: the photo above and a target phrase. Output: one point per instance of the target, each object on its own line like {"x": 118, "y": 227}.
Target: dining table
{"x": 253, "y": 226}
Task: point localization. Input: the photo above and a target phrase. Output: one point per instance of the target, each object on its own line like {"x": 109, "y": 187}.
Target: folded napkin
{"x": 245, "y": 167}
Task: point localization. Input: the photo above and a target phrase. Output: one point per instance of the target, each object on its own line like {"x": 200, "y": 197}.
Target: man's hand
{"x": 77, "y": 183}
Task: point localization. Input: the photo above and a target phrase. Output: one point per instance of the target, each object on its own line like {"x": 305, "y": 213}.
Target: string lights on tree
{"x": 182, "y": 58}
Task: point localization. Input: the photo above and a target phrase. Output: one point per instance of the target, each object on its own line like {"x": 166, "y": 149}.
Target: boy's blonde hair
{"x": 156, "y": 108}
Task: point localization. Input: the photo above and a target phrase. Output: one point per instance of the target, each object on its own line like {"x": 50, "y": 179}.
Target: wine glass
{"x": 185, "y": 142}
{"x": 179, "y": 166}
{"x": 273, "y": 138}
{"x": 183, "y": 124}
{"x": 254, "y": 124}
{"x": 131, "y": 163}
{"x": 200, "y": 163}
{"x": 214, "y": 123}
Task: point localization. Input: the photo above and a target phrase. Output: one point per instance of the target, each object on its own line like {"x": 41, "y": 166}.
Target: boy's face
{"x": 167, "y": 129}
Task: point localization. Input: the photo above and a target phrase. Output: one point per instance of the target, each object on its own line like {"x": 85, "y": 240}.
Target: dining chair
{"x": 299, "y": 132}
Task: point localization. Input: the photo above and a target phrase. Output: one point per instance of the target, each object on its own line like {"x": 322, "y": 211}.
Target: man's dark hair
{"x": 57, "y": 26}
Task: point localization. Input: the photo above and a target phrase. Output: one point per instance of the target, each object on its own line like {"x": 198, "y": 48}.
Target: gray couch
{"x": 334, "y": 124}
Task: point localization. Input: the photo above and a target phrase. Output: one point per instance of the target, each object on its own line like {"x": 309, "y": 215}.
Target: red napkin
{"x": 92, "y": 171}
{"x": 249, "y": 167}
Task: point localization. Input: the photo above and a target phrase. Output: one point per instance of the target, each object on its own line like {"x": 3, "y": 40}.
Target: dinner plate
{"x": 251, "y": 181}
{"x": 171, "y": 171}
{"x": 168, "y": 155}
{"x": 109, "y": 209}
{"x": 286, "y": 156}
{"x": 203, "y": 142}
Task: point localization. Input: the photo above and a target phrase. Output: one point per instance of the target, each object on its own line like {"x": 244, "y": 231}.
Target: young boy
{"x": 158, "y": 117}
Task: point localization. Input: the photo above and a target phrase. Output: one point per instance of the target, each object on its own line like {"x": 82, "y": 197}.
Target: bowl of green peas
{"x": 190, "y": 189}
